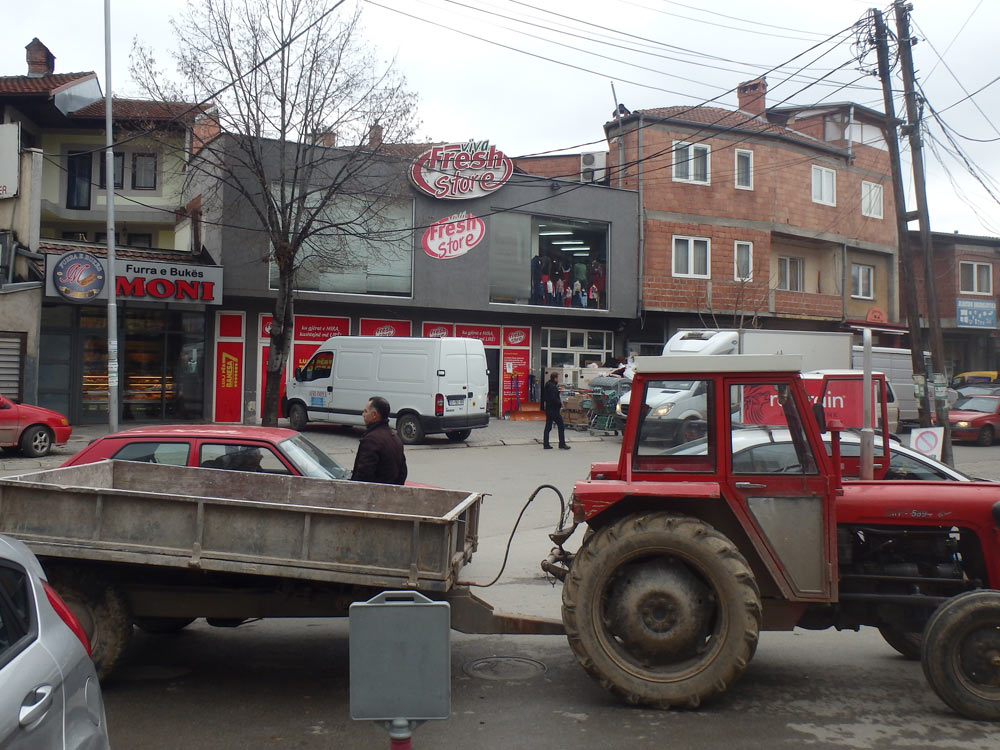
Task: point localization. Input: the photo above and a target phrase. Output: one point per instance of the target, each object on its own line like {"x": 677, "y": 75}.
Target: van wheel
{"x": 457, "y": 436}
{"x": 297, "y": 417}
{"x": 409, "y": 429}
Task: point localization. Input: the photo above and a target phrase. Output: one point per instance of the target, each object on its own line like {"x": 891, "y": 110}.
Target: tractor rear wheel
{"x": 662, "y": 610}
{"x": 961, "y": 654}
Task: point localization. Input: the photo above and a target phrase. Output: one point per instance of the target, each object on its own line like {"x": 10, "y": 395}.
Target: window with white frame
{"x": 790, "y": 273}
{"x": 743, "y": 261}
{"x": 824, "y": 186}
{"x": 871, "y": 199}
{"x": 862, "y": 281}
{"x": 692, "y": 257}
{"x": 744, "y": 169}
{"x": 975, "y": 278}
{"x": 691, "y": 163}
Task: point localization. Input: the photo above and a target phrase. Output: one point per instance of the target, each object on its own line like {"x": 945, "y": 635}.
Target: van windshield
{"x": 671, "y": 385}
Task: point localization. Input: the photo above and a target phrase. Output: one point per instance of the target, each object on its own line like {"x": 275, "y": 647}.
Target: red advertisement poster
{"x": 437, "y": 330}
{"x": 516, "y": 336}
{"x": 515, "y": 368}
{"x": 843, "y": 401}
{"x": 320, "y": 327}
{"x": 489, "y": 335}
{"x": 374, "y": 327}
{"x": 228, "y": 381}
{"x": 230, "y": 326}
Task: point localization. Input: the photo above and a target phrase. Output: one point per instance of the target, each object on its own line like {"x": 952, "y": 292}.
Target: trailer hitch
{"x": 558, "y": 563}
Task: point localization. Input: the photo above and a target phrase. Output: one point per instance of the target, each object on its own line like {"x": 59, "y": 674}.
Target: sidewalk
{"x": 339, "y": 442}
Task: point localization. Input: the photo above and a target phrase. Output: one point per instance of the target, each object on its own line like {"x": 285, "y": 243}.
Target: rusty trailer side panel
{"x": 261, "y": 524}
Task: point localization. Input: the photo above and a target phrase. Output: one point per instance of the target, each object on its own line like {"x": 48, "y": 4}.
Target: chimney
{"x": 41, "y": 62}
{"x": 751, "y": 96}
{"x": 375, "y": 136}
{"x": 327, "y": 138}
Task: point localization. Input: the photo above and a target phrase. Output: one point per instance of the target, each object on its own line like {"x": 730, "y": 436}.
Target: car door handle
{"x": 35, "y": 705}
{"x": 750, "y": 486}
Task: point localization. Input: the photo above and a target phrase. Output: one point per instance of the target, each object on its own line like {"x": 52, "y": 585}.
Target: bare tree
{"x": 747, "y": 303}
{"x": 297, "y": 112}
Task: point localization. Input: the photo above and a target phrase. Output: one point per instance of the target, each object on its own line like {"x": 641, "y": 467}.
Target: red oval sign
{"x": 457, "y": 171}
{"x": 453, "y": 236}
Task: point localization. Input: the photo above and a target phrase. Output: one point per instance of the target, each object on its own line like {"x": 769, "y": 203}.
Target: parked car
{"x": 50, "y": 698}
{"x": 763, "y": 450}
{"x": 975, "y": 418}
{"x": 985, "y": 389}
{"x": 271, "y": 450}
{"x": 31, "y": 428}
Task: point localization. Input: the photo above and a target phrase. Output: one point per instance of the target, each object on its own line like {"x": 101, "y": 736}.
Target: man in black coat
{"x": 380, "y": 453}
{"x": 552, "y": 405}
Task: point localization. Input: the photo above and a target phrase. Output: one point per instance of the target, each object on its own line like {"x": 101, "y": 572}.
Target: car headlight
{"x": 661, "y": 411}
{"x": 961, "y": 425}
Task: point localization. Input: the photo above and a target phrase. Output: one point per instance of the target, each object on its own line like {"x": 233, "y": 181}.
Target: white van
{"x": 897, "y": 366}
{"x": 433, "y": 385}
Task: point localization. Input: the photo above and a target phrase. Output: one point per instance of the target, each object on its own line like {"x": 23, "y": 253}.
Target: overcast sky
{"x": 537, "y": 76}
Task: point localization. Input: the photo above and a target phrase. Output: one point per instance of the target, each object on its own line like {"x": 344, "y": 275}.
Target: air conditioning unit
{"x": 594, "y": 167}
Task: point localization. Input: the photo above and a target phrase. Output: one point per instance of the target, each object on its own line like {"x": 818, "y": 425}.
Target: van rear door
{"x": 454, "y": 383}
{"x": 479, "y": 381}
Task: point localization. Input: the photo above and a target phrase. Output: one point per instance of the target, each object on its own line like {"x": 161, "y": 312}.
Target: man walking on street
{"x": 380, "y": 453}
{"x": 552, "y": 405}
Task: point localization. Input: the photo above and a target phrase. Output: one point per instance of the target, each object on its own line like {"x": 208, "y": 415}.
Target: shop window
{"x": 339, "y": 262}
{"x": 536, "y": 260}
{"x": 78, "y": 180}
{"x": 574, "y": 348}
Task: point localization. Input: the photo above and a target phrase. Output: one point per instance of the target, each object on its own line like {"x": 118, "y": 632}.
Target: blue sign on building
{"x": 976, "y": 313}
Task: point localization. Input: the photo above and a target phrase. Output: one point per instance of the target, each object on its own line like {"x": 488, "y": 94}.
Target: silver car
{"x": 50, "y": 698}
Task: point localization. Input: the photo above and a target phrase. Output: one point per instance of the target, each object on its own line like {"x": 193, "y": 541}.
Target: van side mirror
{"x": 298, "y": 373}
{"x": 820, "y": 415}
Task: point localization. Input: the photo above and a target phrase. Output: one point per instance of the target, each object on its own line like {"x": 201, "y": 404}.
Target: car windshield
{"x": 310, "y": 460}
{"x": 976, "y": 403}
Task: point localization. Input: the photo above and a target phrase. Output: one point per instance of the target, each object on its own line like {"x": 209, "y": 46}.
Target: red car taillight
{"x": 439, "y": 405}
{"x": 66, "y": 615}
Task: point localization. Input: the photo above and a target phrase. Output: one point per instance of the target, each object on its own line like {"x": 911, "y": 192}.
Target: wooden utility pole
{"x": 904, "y": 45}
{"x": 906, "y": 255}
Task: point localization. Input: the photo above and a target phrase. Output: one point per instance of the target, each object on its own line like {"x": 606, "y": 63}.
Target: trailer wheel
{"x": 409, "y": 430}
{"x": 662, "y": 610}
{"x": 457, "y": 436}
{"x": 163, "y": 625}
{"x": 297, "y": 417}
{"x": 102, "y": 612}
{"x": 36, "y": 441}
{"x": 907, "y": 644}
{"x": 961, "y": 654}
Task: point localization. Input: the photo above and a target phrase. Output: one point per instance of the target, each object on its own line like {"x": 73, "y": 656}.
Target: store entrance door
{"x": 493, "y": 365}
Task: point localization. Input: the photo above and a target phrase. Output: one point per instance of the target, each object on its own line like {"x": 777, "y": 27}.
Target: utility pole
{"x": 904, "y": 44}
{"x": 906, "y": 255}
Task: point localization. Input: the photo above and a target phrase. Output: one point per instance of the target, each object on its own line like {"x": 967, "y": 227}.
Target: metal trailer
{"x": 158, "y": 546}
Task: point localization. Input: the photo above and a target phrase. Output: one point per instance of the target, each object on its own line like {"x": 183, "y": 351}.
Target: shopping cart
{"x": 602, "y": 413}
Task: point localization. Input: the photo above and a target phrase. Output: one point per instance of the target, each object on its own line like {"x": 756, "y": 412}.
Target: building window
{"x": 140, "y": 239}
{"x": 744, "y": 169}
{"x": 976, "y": 278}
{"x": 790, "y": 274}
{"x": 692, "y": 257}
{"x": 861, "y": 281}
{"x": 691, "y": 163}
{"x": 119, "y": 170}
{"x": 75, "y": 236}
{"x": 380, "y": 263}
{"x": 562, "y": 347}
{"x": 743, "y": 260}
{"x": 102, "y": 237}
{"x": 824, "y": 186}
{"x": 78, "y": 180}
{"x": 538, "y": 260}
{"x": 871, "y": 199}
{"x": 144, "y": 171}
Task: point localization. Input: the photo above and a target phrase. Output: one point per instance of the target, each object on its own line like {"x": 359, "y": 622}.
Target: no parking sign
{"x": 927, "y": 440}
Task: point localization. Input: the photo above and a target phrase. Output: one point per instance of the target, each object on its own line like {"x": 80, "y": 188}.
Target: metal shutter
{"x": 13, "y": 347}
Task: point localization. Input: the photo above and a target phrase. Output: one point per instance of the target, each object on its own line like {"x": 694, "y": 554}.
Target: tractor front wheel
{"x": 662, "y": 610}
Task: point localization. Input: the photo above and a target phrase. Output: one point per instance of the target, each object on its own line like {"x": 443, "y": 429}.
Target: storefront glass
{"x": 536, "y": 260}
{"x": 571, "y": 348}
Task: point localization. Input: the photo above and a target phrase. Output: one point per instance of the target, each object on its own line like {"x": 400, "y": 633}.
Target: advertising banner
{"x": 456, "y": 171}
{"x": 843, "y": 401}
{"x": 514, "y": 368}
{"x": 320, "y": 327}
{"x": 453, "y": 236}
{"x": 79, "y": 277}
{"x": 229, "y": 381}
{"x": 516, "y": 336}
{"x": 374, "y": 327}
{"x": 437, "y": 330}
{"x": 489, "y": 335}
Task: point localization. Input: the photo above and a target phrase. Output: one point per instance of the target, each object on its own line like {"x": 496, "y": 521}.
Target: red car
{"x": 34, "y": 429}
{"x": 975, "y": 418}
{"x": 272, "y": 450}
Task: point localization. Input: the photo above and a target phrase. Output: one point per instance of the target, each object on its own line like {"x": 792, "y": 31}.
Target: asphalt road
{"x": 284, "y": 684}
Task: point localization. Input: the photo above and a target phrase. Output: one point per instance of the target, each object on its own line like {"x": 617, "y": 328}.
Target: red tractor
{"x": 762, "y": 521}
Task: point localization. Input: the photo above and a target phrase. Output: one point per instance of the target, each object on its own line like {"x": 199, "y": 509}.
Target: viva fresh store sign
{"x": 458, "y": 171}
{"x": 453, "y": 236}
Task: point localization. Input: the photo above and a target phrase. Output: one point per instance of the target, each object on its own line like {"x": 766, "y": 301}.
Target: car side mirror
{"x": 820, "y": 415}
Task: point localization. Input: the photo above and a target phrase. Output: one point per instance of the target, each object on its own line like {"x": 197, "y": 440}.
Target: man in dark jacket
{"x": 380, "y": 453}
{"x": 552, "y": 404}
